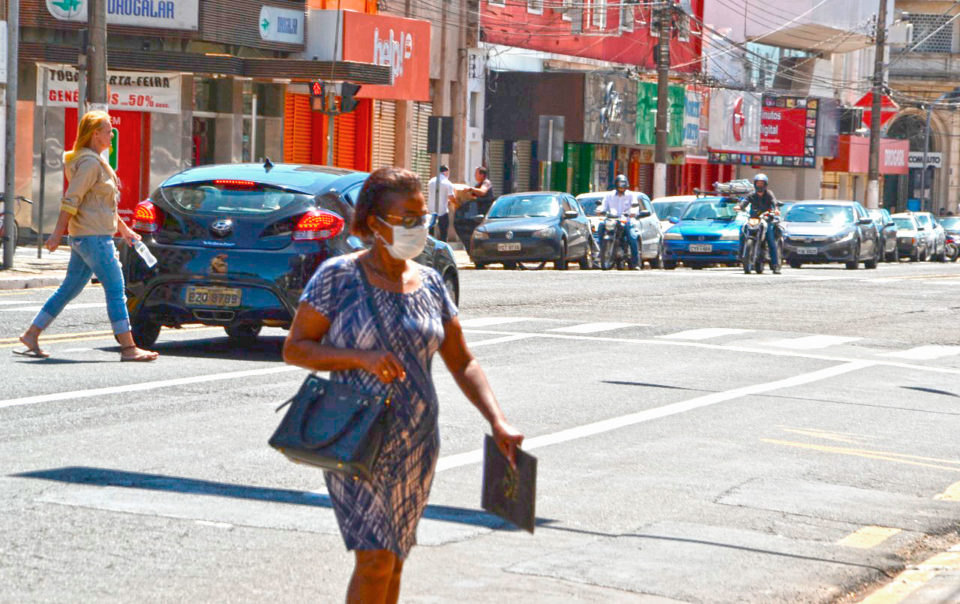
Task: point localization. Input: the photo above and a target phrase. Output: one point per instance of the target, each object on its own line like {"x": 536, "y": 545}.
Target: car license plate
{"x": 213, "y": 296}
{"x": 508, "y": 247}
{"x": 701, "y": 247}
{"x": 807, "y": 251}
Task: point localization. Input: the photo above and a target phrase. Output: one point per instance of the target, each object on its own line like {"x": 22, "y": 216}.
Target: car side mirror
{"x": 477, "y": 217}
{"x": 920, "y": 228}
{"x": 643, "y": 214}
{"x": 865, "y": 221}
{"x": 890, "y": 224}
{"x": 571, "y": 214}
{"x": 673, "y": 220}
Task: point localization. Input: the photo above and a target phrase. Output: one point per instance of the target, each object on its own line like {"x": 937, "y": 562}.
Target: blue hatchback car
{"x": 708, "y": 232}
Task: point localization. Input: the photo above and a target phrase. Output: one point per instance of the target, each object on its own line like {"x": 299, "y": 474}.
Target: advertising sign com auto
{"x": 160, "y": 14}
{"x": 126, "y": 90}
{"x": 401, "y": 44}
{"x": 281, "y": 25}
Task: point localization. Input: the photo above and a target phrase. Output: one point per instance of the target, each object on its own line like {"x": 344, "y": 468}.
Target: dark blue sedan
{"x": 237, "y": 243}
{"x": 533, "y": 227}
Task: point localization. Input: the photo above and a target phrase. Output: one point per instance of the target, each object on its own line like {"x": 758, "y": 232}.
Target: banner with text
{"x": 126, "y": 90}
{"x": 160, "y": 14}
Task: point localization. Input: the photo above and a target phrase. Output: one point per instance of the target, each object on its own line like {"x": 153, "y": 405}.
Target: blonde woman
{"x": 88, "y": 213}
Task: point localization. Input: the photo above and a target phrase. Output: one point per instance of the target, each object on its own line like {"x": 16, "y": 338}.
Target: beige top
{"x": 92, "y": 195}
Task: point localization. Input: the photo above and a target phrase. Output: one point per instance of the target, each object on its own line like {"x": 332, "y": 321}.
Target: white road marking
{"x": 16, "y": 302}
{"x": 197, "y": 379}
{"x": 71, "y": 306}
{"x": 594, "y": 327}
{"x": 925, "y": 353}
{"x": 632, "y": 419}
{"x": 704, "y": 334}
{"x": 501, "y": 340}
{"x": 489, "y": 321}
{"x": 811, "y": 342}
{"x": 75, "y": 350}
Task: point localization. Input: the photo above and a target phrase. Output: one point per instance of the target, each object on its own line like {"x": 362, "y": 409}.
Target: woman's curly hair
{"x": 375, "y": 195}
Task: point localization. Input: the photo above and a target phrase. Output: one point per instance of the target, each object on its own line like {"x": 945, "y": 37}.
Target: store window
{"x": 263, "y": 105}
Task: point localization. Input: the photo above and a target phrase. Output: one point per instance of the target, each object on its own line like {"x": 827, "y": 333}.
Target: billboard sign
{"x": 159, "y": 14}
{"x": 735, "y": 121}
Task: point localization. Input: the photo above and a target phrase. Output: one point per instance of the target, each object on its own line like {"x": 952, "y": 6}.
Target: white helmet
{"x": 762, "y": 177}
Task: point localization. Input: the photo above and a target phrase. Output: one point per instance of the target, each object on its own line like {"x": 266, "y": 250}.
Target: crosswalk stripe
{"x": 593, "y": 327}
{"x": 812, "y": 342}
{"x": 67, "y": 307}
{"x": 488, "y": 321}
{"x": 925, "y": 353}
{"x": 704, "y": 334}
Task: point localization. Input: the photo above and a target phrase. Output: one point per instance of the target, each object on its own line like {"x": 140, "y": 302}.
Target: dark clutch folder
{"x": 508, "y": 493}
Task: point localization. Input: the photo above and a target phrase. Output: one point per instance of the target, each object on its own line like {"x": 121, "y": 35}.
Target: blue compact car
{"x": 708, "y": 232}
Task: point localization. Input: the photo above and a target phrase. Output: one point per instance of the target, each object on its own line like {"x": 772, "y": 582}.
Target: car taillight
{"x": 318, "y": 225}
{"x": 230, "y": 183}
{"x": 146, "y": 217}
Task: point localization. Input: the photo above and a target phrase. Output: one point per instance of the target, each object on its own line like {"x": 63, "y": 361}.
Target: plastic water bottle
{"x": 149, "y": 259}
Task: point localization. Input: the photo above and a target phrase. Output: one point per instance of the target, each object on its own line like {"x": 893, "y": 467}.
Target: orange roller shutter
{"x": 297, "y": 126}
{"x": 345, "y": 137}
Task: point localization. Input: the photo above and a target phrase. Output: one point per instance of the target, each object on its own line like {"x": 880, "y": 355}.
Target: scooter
{"x": 614, "y": 250}
{"x": 755, "y": 249}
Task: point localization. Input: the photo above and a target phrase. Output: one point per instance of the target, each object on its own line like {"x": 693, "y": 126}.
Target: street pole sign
{"x": 550, "y": 145}
{"x": 440, "y": 134}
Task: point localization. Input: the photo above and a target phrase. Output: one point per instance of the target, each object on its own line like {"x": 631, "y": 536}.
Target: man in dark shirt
{"x": 469, "y": 215}
{"x": 761, "y": 201}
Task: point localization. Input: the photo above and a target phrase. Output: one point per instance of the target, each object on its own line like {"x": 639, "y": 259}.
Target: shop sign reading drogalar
{"x": 281, "y": 24}
{"x": 160, "y": 14}
{"x": 126, "y": 90}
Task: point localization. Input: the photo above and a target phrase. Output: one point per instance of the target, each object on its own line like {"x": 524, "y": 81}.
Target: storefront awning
{"x": 137, "y": 60}
{"x": 853, "y": 156}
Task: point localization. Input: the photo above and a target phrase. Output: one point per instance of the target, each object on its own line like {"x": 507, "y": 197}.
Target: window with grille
{"x": 598, "y": 14}
{"x": 939, "y": 29}
{"x": 535, "y": 7}
{"x": 626, "y": 15}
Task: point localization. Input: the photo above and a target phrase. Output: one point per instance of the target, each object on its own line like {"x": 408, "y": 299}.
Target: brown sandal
{"x": 144, "y": 358}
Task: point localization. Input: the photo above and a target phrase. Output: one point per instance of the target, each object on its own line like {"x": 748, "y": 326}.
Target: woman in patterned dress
{"x": 334, "y": 331}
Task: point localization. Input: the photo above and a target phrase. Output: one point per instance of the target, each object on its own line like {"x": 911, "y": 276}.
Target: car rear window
{"x": 824, "y": 214}
{"x": 521, "y": 206}
{"x": 590, "y": 205}
{"x": 223, "y": 197}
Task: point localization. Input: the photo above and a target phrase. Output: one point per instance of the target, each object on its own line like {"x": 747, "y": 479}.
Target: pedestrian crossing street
{"x": 482, "y": 329}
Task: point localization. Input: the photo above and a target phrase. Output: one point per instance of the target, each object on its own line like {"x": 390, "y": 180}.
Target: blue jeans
{"x": 771, "y": 243}
{"x": 93, "y": 255}
{"x": 633, "y": 240}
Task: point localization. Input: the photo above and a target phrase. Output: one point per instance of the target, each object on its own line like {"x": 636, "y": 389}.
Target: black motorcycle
{"x": 755, "y": 248}
{"x": 614, "y": 249}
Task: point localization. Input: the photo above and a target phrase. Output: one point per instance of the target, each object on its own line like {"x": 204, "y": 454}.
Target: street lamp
{"x": 949, "y": 95}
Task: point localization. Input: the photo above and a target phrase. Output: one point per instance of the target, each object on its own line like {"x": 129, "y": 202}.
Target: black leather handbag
{"x": 334, "y": 426}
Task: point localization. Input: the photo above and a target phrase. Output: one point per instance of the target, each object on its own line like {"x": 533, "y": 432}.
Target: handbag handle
{"x": 381, "y": 332}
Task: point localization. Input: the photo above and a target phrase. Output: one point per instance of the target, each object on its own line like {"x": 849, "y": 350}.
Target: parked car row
{"x": 701, "y": 231}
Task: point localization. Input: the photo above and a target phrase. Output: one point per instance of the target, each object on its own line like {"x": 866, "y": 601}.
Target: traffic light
{"x": 347, "y": 101}
{"x": 316, "y": 89}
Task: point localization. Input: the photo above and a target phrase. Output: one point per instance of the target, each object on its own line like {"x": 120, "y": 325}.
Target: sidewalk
{"x": 29, "y": 271}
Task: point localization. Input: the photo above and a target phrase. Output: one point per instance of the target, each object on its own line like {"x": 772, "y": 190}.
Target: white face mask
{"x": 407, "y": 243}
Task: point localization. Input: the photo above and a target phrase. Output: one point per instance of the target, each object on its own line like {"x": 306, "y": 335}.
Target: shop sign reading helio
{"x": 126, "y": 90}
{"x": 160, "y": 14}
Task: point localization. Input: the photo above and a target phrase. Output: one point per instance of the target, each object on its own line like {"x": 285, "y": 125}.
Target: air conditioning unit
{"x": 901, "y": 34}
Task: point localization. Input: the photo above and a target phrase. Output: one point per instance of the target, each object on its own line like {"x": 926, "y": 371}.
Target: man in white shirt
{"x": 621, "y": 202}
{"x": 439, "y": 192}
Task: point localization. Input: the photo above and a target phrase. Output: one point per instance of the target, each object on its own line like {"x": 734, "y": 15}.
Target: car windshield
{"x": 231, "y": 197}
{"x": 923, "y": 219}
{"x": 525, "y": 206}
{"x": 951, "y": 223}
{"x": 905, "y": 224}
{"x": 590, "y": 205}
{"x": 669, "y": 209}
{"x": 878, "y": 216}
{"x": 822, "y": 214}
{"x": 710, "y": 210}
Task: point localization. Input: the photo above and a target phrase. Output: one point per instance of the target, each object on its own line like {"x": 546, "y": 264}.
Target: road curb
{"x": 8, "y": 283}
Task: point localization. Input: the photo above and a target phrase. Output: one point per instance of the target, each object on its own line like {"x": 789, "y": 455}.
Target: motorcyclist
{"x": 621, "y": 201}
{"x": 761, "y": 201}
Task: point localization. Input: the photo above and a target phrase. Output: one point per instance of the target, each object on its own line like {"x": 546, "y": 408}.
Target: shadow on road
{"x": 931, "y": 391}
{"x": 106, "y": 477}
{"x": 266, "y": 348}
{"x": 649, "y": 385}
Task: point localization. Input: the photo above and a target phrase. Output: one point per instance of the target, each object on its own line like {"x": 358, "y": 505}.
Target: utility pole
{"x": 663, "y": 103}
{"x": 873, "y": 176}
{"x": 97, "y": 55}
{"x": 13, "y": 42}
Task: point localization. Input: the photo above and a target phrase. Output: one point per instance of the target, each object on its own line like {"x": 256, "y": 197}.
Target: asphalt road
{"x": 703, "y": 436}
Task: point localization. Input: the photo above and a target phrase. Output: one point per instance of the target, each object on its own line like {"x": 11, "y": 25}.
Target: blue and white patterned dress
{"x": 383, "y": 513}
